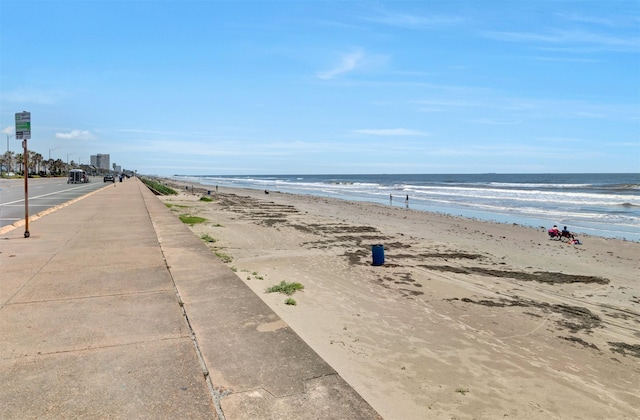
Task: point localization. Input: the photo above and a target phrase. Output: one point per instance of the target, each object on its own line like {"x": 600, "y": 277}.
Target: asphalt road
{"x": 44, "y": 193}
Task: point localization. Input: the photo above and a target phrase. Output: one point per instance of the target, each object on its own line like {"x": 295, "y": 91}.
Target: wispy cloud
{"x": 348, "y": 62}
{"x": 76, "y": 135}
{"x": 573, "y": 37}
{"x": 30, "y": 96}
{"x": 413, "y": 21}
{"x": 558, "y": 140}
{"x": 147, "y": 131}
{"x": 8, "y": 130}
{"x": 488, "y": 121}
{"x": 231, "y": 147}
{"x": 389, "y": 132}
{"x": 610, "y": 21}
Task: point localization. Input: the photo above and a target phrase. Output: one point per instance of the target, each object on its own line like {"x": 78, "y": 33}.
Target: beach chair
{"x": 565, "y": 234}
{"x": 554, "y": 234}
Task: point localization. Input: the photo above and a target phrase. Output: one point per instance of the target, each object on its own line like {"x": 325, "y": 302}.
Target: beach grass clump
{"x": 206, "y": 199}
{"x": 224, "y": 257}
{"x": 191, "y": 220}
{"x": 207, "y": 238}
{"x": 462, "y": 390}
{"x": 255, "y": 276}
{"x": 180, "y": 206}
{"x": 290, "y": 301}
{"x": 286, "y": 288}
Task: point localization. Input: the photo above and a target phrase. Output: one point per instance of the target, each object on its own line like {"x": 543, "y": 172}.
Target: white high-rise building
{"x": 101, "y": 161}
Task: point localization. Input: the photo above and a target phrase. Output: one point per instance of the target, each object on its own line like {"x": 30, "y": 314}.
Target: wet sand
{"x": 465, "y": 319}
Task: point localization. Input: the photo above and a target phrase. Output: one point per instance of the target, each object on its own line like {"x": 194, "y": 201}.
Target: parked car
{"x": 109, "y": 178}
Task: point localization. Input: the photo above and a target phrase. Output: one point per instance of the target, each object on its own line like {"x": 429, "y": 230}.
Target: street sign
{"x": 23, "y": 125}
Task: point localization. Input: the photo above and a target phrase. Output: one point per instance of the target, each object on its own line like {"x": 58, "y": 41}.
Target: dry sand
{"x": 466, "y": 319}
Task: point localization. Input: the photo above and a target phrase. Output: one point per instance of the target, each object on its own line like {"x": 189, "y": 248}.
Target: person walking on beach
{"x": 406, "y": 201}
{"x": 390, "y": 198}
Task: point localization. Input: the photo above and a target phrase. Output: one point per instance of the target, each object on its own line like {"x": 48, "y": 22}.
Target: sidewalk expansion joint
{"x": 216, "y": 395}
{"x": 144, "y": 292}
{"x": 91, "y": 348}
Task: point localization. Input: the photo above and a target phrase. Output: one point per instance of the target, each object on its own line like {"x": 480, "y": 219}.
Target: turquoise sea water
{"x": 605, "y": 205}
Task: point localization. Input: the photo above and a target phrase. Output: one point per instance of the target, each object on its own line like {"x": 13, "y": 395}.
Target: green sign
{"x": 23, "y": 125}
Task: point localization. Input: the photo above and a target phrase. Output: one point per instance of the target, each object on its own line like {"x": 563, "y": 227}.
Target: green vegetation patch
{"x": 207, "y": 238}
{"x": 205, "y": 198}
{"x": 290, "y": 301}
{"x": 191, "y": 220}
{"x": 224, "y": 257}
{"x": 286, "y": 288}
{"x": 158, "y": 188}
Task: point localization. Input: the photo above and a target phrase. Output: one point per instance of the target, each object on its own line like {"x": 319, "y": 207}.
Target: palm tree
{"x": 37, "y": 160}
{"x": 20, "y": 162}
{"x": 58, "y": 166}
{"x": 31, "y": 160}
{"x": 12, "y": 158}
{"x": 47, "y": 166}
{"x": 6, "y": 161}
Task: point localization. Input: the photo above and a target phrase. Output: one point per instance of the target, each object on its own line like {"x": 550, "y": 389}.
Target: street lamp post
{"x": 68, "y": 154}
{"x": 51, "y": 150}
{"x": 8, "y": 137}
{"x": 49, "y": 162}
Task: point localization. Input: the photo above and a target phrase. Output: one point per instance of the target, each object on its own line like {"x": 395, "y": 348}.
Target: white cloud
{"x": 347, "y": 63}
{"x": 76, "y": 135}
{"x": 413, "y": 21}
{"x": 30, "y": 96}
{"x": 8, "y": 130}
{"x": 573, "y": 37}
{"x": 389, "y": 132}
{"x": 489, "y": 121}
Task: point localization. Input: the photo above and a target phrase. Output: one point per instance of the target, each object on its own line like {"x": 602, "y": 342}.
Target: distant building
{"x": 101, "y": 161}
{"x": 118, "y": 169}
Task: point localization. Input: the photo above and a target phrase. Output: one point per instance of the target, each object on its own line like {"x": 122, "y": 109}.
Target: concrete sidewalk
{"x": 114, "y": 309}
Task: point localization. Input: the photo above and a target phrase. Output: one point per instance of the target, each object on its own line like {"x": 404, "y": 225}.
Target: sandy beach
{"x": 465, "y": 319}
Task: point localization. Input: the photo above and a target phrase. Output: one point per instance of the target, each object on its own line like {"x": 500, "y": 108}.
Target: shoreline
{"x": 593, "y": 222}
{"x": 477, "y": 215}
{"x": 465, "y": 318}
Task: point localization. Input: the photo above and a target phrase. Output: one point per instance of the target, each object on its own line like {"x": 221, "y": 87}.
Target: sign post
{"x": 23, "y": 132}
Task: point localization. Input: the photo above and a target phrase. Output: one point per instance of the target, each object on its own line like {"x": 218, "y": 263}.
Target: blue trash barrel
{"x": 378, "y": 254}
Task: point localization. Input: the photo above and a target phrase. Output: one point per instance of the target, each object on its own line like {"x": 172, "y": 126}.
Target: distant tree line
{"x": 11, "y": 162}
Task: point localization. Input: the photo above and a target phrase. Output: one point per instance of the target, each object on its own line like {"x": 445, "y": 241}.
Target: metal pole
{"x": 26, "y": 189}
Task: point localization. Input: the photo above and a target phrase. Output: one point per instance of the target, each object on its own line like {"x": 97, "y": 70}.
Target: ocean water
{"x": 605, "y": 205}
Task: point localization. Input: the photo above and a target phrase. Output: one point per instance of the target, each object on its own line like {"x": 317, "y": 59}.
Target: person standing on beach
{"x": 406, "y": 201}
{"x": 390, "y": 198}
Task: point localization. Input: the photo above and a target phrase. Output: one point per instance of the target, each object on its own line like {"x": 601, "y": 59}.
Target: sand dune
{"x": 466, "y": 319}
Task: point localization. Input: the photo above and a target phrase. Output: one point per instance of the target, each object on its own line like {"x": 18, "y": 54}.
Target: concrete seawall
{"x": 113, "y": 308}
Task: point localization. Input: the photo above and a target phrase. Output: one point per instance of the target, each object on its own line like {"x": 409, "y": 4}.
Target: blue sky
{"x": 326, "y": 87}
